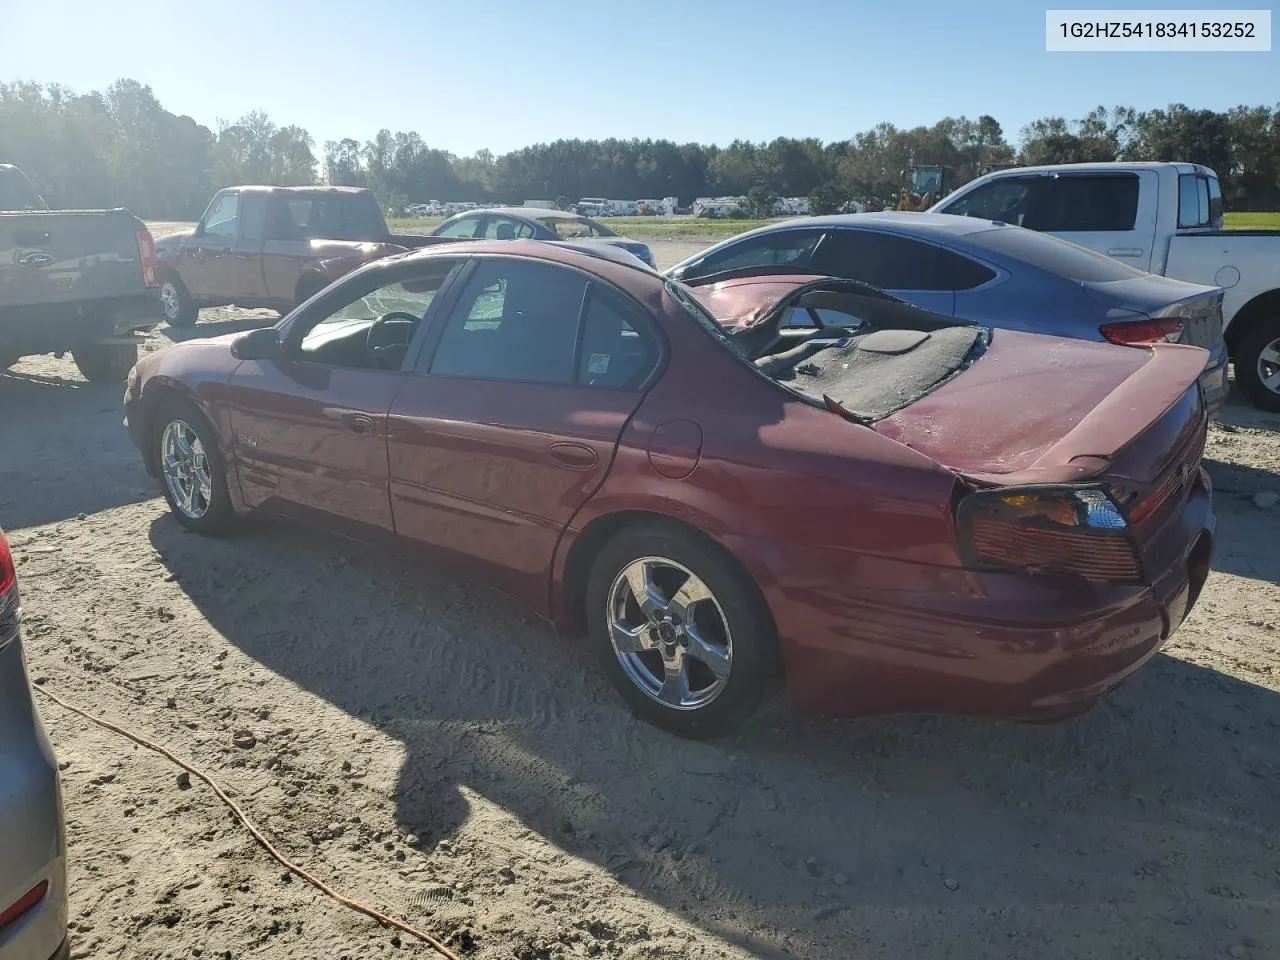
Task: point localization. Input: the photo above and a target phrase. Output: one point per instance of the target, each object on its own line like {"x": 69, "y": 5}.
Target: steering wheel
{"x": 388, "y": 356}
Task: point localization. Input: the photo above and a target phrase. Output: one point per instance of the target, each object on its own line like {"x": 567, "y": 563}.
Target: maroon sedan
{"x": 882, "y": 507}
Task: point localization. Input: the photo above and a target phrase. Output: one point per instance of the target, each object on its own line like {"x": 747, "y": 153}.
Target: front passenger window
{"x": 781, "y": 248}
{"x": 373, "y": 328}
{"x": 220, "y": 219}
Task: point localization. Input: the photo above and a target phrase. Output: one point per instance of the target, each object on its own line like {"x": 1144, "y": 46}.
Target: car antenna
{"x": 836, "y": 407}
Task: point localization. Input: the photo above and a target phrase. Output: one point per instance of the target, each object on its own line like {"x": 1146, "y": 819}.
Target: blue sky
{"x": 502, "y": 74}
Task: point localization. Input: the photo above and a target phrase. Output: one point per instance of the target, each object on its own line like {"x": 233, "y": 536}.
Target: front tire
{"x": 105, "y": 362}
{"x": 684, "y": 633}
{"x": 192, "y": 474}
{"x": 1257, "y": 360}
{"x": 180, "y": 309}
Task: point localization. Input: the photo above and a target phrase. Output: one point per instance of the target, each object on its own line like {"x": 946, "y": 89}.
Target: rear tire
{"x": 697, "y": 667}
{"x": 192, "y": 474}
{"x": 1257, "y": 355}
{"x": 105, "y": 362}
{"x": 180, "y": 310}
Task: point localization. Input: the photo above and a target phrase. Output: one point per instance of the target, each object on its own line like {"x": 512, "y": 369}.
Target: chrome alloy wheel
{"x": 669, "y": 633}
{"x": 186, "y": 469}
{"x": 169, "y": 300}
{"x": 1269, "y": 366}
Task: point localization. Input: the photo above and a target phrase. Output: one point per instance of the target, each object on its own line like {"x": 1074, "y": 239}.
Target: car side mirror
{"x": 261, "y": 344}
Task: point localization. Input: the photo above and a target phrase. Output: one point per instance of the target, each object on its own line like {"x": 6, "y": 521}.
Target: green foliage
{"x": 120, "y": 147}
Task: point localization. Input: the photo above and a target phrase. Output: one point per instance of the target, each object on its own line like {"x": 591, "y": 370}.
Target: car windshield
{"x": 572, "y": 228}
{"x": 1049, "y": 253}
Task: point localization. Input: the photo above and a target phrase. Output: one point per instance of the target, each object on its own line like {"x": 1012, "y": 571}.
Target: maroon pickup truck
{"x": 272, "y": 247}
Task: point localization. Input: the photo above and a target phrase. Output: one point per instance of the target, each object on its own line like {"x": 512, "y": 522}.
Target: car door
{"x": 251, "y": 282}
{"x": 510, "y": 421}
{"x": 207, "y": 259}
{"x": 310, "y": 428}
{"x": 906, "y": 267}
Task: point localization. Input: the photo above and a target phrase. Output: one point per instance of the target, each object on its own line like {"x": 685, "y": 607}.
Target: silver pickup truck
{"x": 73, "y": 281}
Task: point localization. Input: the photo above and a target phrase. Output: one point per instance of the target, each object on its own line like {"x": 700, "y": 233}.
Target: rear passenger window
{"x": 253, "y": 212}
{"x": 956, "y": 272}
{"x": 882, "y": 260}
{"x": 1080, "y": 204}
{"x": 515, "y": 320}
{"x": 616, "y": 352}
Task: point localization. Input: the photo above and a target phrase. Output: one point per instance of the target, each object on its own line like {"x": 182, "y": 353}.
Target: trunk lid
{"x": 1198, "y": 307}
{"x": 1041, "y": 409}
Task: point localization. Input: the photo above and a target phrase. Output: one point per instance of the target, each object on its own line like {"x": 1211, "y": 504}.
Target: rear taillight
{"x": 29, "y": 901}
{"x": 8, "y": 575}
{"x": 1066, "y": 530}
{"x": 1143, "y": 333}
{"x": 147, "y": 256}
{"x": 9, "y": 605}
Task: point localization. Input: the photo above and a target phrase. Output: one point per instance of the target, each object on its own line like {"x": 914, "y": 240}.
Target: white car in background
{"x": 1165, "y": 218}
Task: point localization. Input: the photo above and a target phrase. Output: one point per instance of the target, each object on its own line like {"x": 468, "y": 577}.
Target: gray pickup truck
{"x": 73, "y": 281}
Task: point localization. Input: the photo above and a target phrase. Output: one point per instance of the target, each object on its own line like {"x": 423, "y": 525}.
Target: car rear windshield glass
{"x": 1049, "y": 253}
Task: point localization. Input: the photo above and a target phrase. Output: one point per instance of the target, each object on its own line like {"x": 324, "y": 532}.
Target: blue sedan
{"x": 989, "y": 272}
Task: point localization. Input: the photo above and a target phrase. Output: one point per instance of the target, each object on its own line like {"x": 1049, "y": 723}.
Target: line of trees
{"x": 121, "y": 147}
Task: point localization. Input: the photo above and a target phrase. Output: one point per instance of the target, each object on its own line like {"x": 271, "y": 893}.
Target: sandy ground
{"x": 437, "y": 752}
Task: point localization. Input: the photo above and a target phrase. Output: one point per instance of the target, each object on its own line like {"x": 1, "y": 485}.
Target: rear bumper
{"x": 52, "y": 328}
{"x": 1000, "y": 645}
{"x": 1213, "y": 382}
{"x": 31, "y": 823}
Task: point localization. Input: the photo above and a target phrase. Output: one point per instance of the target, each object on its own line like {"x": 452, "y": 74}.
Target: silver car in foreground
{"x": 988, "y": 272}
{"x": 33, "y": 869}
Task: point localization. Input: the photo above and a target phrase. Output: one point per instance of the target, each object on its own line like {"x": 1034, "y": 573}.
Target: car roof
{"x": 940, "y": 224}
{"x": 528, "y": 213}
{"x": 599, "y": 258}
{"x": 1098, "y": 166}
{"x": 317, "y": 188}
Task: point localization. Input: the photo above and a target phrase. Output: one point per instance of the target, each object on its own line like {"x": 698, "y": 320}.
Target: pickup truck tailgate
{"x": 64, "y": 256}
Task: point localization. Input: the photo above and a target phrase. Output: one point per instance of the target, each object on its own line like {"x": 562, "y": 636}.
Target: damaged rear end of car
{"x": 1080, "y": 517}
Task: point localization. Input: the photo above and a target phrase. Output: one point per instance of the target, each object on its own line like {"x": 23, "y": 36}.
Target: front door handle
{"x": 37, "y": 259}
{"x": 361, "y": 425}
{"x": 1124, "y": 252}
{"x": 575, "y": 456}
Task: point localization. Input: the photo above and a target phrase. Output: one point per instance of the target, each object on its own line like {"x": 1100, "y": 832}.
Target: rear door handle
{"x": 360, "y": 424}
{"x": 575, "y": 456}
{"x": 1124, "y": 252}
{"x": 37, "y": 259}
